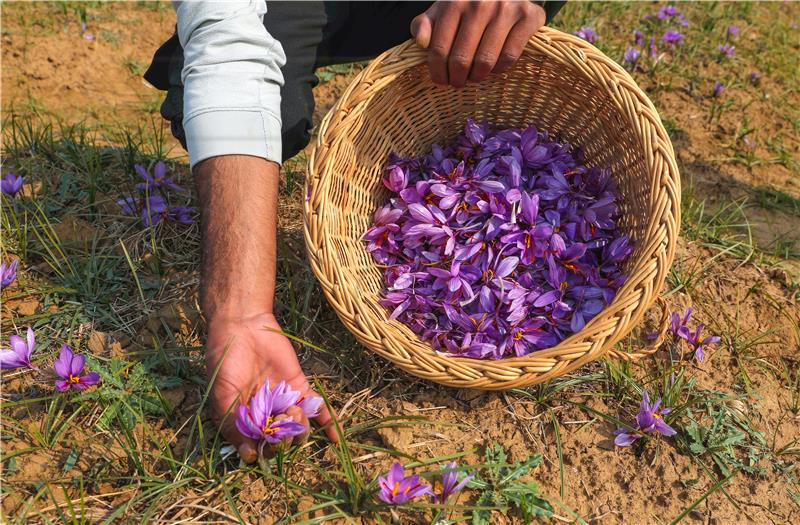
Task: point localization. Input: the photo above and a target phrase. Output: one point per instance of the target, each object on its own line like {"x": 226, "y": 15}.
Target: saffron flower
{"x": 154, "y": 209}
{"x": 20, "y": 352}
{"x": 158, "y": 179}
{"x": 671, "y": 38}
{"x": 649, "y": 419}
{"x": 726, "y": 50}
{"x": 257, "y": 420}
{"x": 653, "y": 48}
{"x": 450, "y": 483}
{"x": 8, "y": 273}
{"x": 667, "y": 12}
{"x": 632, "y": 55}
{"x": 733, "y": 30}
{"x": 500, "y": 244}
{"x": 396, "y": 488}
{"x": 11, "y": 184}
{"x": 678, "y": 325}
{"x": 638, "y": 37}
{"x": 755, "y": 77}
{"x": 587, "y": 33}
{"x": 69, "y": 367}
{"x": 698, "y": 344}
{"x": 718, "y": 89}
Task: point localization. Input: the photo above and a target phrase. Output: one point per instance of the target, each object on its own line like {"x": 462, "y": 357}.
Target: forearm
{"x": 238, "y": 196}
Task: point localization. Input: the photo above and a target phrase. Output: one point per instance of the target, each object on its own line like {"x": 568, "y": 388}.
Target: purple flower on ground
{"x": 587, "y": 33}
{"x": 450, "y": 483}
{"x": 679, "y": 327}
{"x": 749, "y": 143}
{"x": 11, "y": 184}
{"x": 718, "y": 89}
{"x": 158, "y": 179}
{"x": 733, "y": 30}
{"x": 667, "y": 12}
{"x": 726, "y": 50}
{"x": 20, "y": 352}
{"x": 69, "y": 367}
{"x": 649, "y": 419}
{"x": 396, "y": 488}
{"x": 755, "y": 77}
{"x": 671, "y": 38}
{"x": 638, "y": 37}
{"x": 8, "y": 273}
{"x": 632, "y": 55}
{"x": 84, "y": 32}
{"x": 182, "y": 214}
{"x": 653, "y": 48}
{"x": 257, "y": 420}
{"x": 693, "y": 338}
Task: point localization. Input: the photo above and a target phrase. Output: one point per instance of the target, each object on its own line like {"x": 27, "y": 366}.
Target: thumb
{"x": 421, "y": 29}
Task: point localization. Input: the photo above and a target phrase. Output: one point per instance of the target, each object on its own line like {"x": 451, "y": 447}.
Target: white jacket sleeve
{"x": 232, "y": 79}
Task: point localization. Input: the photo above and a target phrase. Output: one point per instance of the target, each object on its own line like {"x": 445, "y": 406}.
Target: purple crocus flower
{"x": 158, "y": 179}
{"x": 69, "y": 367}
{"x": 396, "y": 488}
{"x": 653, "y": 48}
{"x": 450, "y": 483}
{"x": 726, "y": 50}
{"x": 667, "y": 12}
{"x": 638, "y": 37}
{"x": 649, "y": 419}
{"x": 693, "y": 338}
{"x": 310, "y": 405}
{"x": 587, "y": 33}
{"x": 678, "y": 325}
{"x": 733, "y": 30}
{"x": 8, "y": 273}
{"x": 20, "y": 352}
{"x": 11, "y": 184}
{"x": 671, "y": 38}
{"x": 85, "y": 32}
{"x": 632, "y": 55}
{"x": 154, "y": 210}
{"x": 182, "y": 214}
{"x": 718, "y": 89}
{"x": 257, "y": 420}
{"x": 755, "y": 77}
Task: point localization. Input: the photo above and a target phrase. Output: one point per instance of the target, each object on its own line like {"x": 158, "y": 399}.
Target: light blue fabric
{"x": 232, "y": 79}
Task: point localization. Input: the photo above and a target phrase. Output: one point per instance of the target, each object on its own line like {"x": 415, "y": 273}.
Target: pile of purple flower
{"x": 500, "y": 244}
{"x": 152, "y": 206}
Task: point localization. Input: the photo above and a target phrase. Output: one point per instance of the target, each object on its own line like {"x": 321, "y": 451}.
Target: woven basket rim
{"x": 607, "y": 75}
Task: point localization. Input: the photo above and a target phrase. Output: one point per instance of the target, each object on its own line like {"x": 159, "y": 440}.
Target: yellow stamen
{"x": 73, "y": 379}
{"x": 563, "y": 286}
{"x": 518, "y": 335}
{"x": 657, "y": 415}
{"x": 396, "y": 488}
{"x": 267, "y": 429}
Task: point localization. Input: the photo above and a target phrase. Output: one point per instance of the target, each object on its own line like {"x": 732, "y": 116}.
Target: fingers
{"x": 468, "y": 37}
{"x": 296, "y": 413}
{"x": 445, "y": 26}
{"x": 491, "y": 45}
{"x": 515, "y": 42}
{"x": 421, "y": 28}
{"x": 325, "y": 421}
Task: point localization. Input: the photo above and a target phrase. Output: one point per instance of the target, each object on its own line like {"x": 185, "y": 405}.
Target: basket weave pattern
{"x": 561, "y": 84}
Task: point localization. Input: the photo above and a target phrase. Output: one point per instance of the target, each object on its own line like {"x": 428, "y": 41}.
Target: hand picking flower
{"x": 69, "y": 367}
{"x": 649, "y": 419}
{"x": 260, "y": 419}
{"x": 396, "y": 488}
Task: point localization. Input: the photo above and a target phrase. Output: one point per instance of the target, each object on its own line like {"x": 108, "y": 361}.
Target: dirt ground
{"x": 749, "y": 297}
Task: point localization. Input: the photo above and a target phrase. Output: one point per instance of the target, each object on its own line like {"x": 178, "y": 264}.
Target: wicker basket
{"x": 562, "y": 85}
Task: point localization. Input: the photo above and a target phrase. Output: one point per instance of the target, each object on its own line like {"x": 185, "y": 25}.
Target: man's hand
{"x": 469, "y": 40}
{"x": 239, "y": 200}
{"x": 250, "y": 351}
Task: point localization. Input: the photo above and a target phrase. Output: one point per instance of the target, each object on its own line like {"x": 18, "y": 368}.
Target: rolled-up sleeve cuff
{"x": 227, "y": 131}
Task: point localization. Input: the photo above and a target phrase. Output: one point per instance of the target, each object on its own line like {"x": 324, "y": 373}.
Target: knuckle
{"x": 459, "y": 61}
{"x": 438, "y": 52}
{"x": 508, "y": 57}
{"x": 485, "y": 60}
